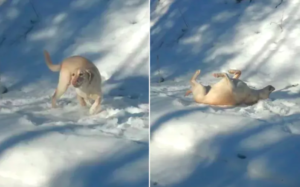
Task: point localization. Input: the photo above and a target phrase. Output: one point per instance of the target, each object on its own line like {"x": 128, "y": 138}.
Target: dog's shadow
{"x": 285, "y": 93}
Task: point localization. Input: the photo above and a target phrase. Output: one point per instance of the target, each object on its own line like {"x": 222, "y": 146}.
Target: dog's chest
{"x": 86, "y": 95}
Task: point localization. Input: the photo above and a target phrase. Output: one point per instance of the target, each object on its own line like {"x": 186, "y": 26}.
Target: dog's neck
{"x": 261, "y": 93}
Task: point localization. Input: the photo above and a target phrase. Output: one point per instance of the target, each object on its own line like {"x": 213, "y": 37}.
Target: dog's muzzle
{"x": 271, "y": 88}
{"x": 76, "y": 85}
{"x": 78, "y": 82}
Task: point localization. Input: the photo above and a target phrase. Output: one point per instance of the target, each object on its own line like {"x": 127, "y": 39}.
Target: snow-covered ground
{"x": 66, "y": 147}
{"x": 198, "y": 145}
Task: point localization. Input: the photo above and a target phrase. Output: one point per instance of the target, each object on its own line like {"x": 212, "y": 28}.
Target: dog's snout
{"x": 271, "y": 88}
{"x": 76, "y": 85}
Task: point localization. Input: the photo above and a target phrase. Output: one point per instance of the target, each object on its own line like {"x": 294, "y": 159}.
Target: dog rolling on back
{"x": 81, "y": 74}
{"x": 228, "y": 91}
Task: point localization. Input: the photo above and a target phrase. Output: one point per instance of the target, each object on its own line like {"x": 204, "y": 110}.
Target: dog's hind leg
{"x": 217, "y": 75}
{"x": 197, "y": 89}
{"x": 225, "y": 76}
{"x": 228, "y": 80}
{"x": 193, "y": 81}
{"x": 188, "y": 92}
{"x": 236, "y": 73}
{"x": 63, "y": 84}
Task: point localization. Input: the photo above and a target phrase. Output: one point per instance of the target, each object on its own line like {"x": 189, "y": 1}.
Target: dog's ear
{"x": 90, "y": 75}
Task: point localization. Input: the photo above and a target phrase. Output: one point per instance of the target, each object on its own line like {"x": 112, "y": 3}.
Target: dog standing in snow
{"x": 228, "y": 91}
{"x": 83, "y": 75}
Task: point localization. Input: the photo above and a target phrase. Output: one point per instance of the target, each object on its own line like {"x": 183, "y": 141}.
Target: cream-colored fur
{"x": 81, "y": 74}
{"x": 228, "y": 91}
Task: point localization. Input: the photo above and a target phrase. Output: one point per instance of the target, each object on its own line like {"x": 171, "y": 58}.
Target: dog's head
{"x": 81, "y": 77}
{"x": 266, "y": 91}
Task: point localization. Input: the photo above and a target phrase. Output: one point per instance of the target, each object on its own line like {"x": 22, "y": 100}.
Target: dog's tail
{"x": 51, "y": 66}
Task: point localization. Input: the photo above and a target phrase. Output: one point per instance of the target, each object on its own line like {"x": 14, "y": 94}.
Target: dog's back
{"x": 70, "y": 63}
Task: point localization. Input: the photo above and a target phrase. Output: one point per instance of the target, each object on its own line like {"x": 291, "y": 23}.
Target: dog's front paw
{"x": 94, "y": 110}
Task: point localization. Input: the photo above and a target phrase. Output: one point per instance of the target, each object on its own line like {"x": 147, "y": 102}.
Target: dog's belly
{"x": 223, "y": 98}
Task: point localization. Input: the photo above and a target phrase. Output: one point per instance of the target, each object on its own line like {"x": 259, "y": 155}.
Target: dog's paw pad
{"x": 217, "y": 75}
{"x": 234, "y": 71}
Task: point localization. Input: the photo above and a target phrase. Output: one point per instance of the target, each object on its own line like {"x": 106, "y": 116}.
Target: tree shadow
{"x": 62, "y": 27}
{"x": 91, "y": 172}
{"x": 232, "y": 169}
{"x": 12, "y": 141}
{"x": 94, "y": 173}
{"x": 240, "y": 157}
{"x": 188, "y": 35}
{"x": 172, "y": 115}
{"x": 135, "y": 86}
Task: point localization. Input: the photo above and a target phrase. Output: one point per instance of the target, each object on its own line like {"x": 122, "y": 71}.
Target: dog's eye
{"x": 80, "y": 74}
{"x": 73, "y": 74}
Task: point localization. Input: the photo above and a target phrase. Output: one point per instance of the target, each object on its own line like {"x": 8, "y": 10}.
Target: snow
{"x": 199, "y": 145}
{"x": 67, "y": 147}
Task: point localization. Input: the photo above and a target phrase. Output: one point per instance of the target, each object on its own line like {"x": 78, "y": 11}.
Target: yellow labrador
{"x": 228, "y": 91}
{"x": 81, "y": 74}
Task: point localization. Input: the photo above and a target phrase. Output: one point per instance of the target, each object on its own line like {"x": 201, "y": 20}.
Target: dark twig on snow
{"x": 32, "y": 23}
{"x": 238, "y": 1}
{"x": 183, "y": 31}
{"x": 2, "y": 40}
{"x": 161, "y": 79}
{"x": 36, "y": 14}
{"x": 182, "y": 16}
{"x": 279, "y": 24}
{"x": 281, "y": 1}
{"x": 181, "y": 35}
{"x": 288, "y": 87}
{"x": 28, "y": 31}
{"x": 161, "y": 44}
